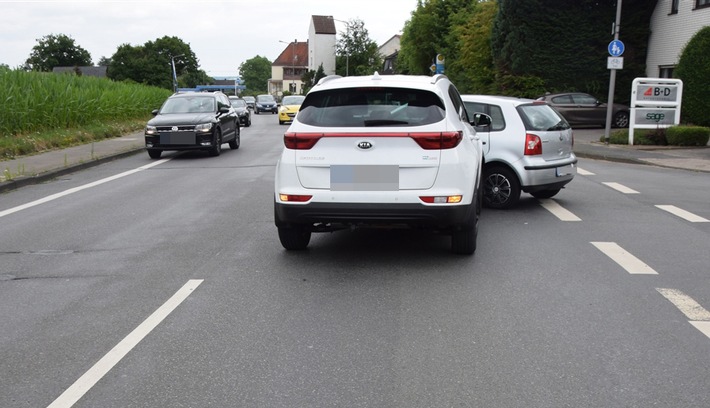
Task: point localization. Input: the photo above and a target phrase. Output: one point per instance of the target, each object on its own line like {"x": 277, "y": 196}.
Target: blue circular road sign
{"x": 616, "y": 48}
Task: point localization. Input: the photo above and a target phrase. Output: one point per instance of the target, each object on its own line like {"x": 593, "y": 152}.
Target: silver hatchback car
{"x": 527, "y": 147}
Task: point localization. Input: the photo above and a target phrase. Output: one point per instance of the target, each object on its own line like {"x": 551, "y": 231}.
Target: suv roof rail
{"x": 328, "y": 78}
{"x": 438, "y": 77}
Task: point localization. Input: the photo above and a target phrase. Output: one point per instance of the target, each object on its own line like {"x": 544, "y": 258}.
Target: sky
{"x": 222, "y": 34}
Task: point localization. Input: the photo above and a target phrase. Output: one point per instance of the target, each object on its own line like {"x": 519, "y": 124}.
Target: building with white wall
{"x": 673, "y": 24}
{"x": 321, "y": 38}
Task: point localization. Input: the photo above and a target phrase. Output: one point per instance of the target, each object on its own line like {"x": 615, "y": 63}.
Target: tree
{"x": 56, "y": 51}
{"x": 355, "y": 52}
{"x": 562, "y": 45}
{"x": 151, "y": 63}
{"x": 256, "y": 73}
{"x": 694, "y": 69}
{"x": 311, "y": 78}
{"x": 429, "y": 32}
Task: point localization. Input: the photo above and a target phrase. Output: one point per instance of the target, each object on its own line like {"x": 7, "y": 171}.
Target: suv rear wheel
{"x": 501, "y": 189}
{"x": 294, "y": 238}
{"x": 463, "y": 241}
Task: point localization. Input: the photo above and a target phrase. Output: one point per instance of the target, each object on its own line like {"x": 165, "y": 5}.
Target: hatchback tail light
{"x": 426, "y": 140}
{"x": 533, "y": 145}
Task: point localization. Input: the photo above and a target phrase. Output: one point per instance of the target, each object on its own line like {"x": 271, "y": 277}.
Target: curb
{"x": 22, "y": 181}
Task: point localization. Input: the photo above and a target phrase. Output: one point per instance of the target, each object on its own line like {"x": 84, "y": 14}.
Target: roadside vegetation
{"x": 44, "y": 111}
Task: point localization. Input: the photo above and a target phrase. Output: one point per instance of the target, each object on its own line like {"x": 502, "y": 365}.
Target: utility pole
{"x": 172, "y": 63}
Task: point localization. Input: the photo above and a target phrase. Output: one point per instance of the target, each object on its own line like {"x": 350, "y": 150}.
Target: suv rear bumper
{"x": 370, "y": 215}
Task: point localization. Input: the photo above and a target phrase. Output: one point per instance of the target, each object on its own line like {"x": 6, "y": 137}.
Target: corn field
{"x": 33, "y": 101}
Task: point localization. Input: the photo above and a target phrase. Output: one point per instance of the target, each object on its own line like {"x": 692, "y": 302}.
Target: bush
{"x": 688, "y": 135}
{"x": 694, "y": 68}
{"x": 674, "y": 136}
{"x": 646, "y": 137}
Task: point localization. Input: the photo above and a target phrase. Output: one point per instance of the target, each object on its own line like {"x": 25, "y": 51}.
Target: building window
{"x": 702, "y": 3}
{"x": 665, "y": 71}
{"x": 674, "y": 6}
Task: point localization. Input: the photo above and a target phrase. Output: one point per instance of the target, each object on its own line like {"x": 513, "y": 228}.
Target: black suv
{"x": 193, "y": 121}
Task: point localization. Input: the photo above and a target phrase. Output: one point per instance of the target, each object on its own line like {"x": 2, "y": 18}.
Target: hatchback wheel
{"x": 501, "y": 188}
{"x": 154, "y": 154}
{"x": 294, "y": 238}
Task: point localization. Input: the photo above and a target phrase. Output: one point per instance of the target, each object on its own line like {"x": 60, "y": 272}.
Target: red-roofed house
{"x": 297, "y": 58}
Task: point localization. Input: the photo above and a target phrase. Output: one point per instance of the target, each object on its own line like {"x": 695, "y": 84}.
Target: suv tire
{"x": 294, "y": 238}
{"x": 217, "y": 148}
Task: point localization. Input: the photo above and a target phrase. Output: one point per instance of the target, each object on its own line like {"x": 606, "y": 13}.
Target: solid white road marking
{"x": 690, "y": 308}
{"x": 686, "y": 215}
{"x": 621, "y": 188}
{"x": 95, "y": 373}
{"x": 77, "y": 189}
{"x": 627, "y": 261}
{"x": 557, "y": 210}
{"x": 584, "y": 172}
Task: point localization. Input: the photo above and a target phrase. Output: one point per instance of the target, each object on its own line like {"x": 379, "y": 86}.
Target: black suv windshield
{"x": 189, "y": 104}
{"x": 355, "y": 107}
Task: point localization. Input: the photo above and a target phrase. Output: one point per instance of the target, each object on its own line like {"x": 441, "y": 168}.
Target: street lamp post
{"x": 172, "y": 63}
{"x": 293, "y": 64}
{"x": 347, "y": 50}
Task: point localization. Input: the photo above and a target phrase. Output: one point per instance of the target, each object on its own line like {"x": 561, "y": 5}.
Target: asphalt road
{"x": 166, "y": 286}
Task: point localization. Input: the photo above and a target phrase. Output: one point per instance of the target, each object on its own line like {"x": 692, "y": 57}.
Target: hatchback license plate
{"x": 364, "y": 178}
{"x": 565, "y": 170}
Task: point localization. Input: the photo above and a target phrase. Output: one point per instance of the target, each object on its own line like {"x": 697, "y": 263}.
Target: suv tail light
{"x": 533, "y": 145}
{"x": 426, "y": 140}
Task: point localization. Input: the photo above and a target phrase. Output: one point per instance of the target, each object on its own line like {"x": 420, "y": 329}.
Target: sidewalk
{"x": 42, "y": 167}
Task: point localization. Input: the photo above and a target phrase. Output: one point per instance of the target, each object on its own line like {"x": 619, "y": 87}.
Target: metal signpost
{"x": 614, "y": 62}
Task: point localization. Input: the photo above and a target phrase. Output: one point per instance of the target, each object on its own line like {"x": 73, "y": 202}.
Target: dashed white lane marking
{"x": 77, "y": 189}
{"x": 704, "y": 327}
{"x": 690, "y": 308}
{"x": 584, "y": 172}
{"x": 627, "y": 261}
{"x": 686, "y": 215}
{"x": 621, "y": 188}
{"x": 95, "y": 373}
{"x": 557, "y": 210}
{"x": 698, "y": 316}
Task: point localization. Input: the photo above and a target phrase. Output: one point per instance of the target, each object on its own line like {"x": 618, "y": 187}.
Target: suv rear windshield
{"x": 542, "y": 117}
{"x": 355, "y": 107}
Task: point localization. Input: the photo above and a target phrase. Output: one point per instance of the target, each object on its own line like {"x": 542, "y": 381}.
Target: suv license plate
{"x": 364, "y": 178}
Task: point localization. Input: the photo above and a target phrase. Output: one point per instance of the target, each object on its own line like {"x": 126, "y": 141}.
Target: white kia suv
{"x": 527, "y": 147}
{"x": 380, "y": 151}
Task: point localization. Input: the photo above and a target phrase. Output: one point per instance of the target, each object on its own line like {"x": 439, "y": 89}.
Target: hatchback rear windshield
{"x": 356, "y": 107}
{"x": 542, "y": 117}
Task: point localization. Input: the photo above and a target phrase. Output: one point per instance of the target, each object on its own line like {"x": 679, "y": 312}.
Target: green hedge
{"x": 688, "y": 135}
{"x": 674, "y": 136}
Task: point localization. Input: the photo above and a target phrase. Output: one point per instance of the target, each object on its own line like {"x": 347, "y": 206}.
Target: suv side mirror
{"x": 224, "y": 109}
{"x": 481, "y": 119}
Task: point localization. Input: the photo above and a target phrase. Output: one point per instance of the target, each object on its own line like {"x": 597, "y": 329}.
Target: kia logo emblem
{"x": 364, "y": 145}
{"x": 174, "y": 128}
